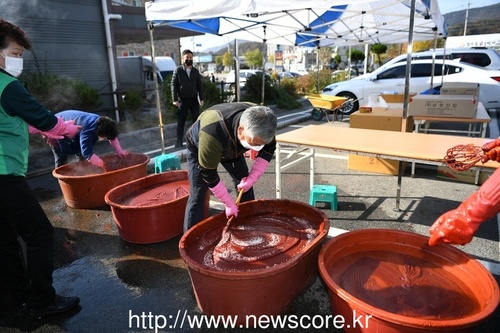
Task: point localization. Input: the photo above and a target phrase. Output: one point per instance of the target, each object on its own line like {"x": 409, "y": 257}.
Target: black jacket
{"x": 184, "y": 86}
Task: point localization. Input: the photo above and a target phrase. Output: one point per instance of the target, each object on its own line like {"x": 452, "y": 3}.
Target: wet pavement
{"x": 125, "y": 287}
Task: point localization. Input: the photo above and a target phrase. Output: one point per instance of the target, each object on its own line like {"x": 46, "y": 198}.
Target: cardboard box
{"x": 379, "y": 119}
{"x": 458, "y": 88}
{"x": 395, "y": 98}
{"x": 467, "y": 176}
{"x": 455, "y": 106}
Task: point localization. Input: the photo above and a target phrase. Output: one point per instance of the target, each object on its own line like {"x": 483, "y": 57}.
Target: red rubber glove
{"x": 97, "y": 161}
{"x": 258, "y": 169}
{"x": 220, "y": 191}
{"x": 491, "y": 151}
{"x": 33, "y": 130}
{"x": 64, "y": 128}
{"x": 459, "y": 225}
{"x": 118, "y": 149}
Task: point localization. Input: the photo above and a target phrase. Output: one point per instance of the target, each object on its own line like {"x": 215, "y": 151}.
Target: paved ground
{"x": 116, "y": 279}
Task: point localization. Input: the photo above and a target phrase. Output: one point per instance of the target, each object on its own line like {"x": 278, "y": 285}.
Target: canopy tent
{"x": 303, "y": 22}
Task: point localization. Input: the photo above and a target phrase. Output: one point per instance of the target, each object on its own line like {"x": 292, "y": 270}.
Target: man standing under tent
{"x": 187, "y": 93}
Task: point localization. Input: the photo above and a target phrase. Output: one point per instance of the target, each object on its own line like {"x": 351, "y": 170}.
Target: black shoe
{"x": 60, "y": 304}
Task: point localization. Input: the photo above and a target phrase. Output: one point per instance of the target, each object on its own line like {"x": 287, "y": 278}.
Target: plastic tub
{"x": 151, "y": 209}
{"x": 84, "y": 185}
{"x": 255, "y": 279}
{"x": 394, "y": 282}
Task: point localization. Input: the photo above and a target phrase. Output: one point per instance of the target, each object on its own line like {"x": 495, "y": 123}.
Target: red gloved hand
{"x": 118, "y": 149}
{"x": 459, "y": 225}
{"x": 64, "y": 128}
{"x": 220, "y": 191}
{"x": 491, "y": 151}
{"x": 258, "y": 169}
{"x": 97, "y": 161}
{"x": 33, "y": 130}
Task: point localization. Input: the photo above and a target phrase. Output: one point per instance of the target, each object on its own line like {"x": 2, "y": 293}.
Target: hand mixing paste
{"x": 255, "y": 242}
{"x": 155, "y": 195}
{"x": 404, "y": 285}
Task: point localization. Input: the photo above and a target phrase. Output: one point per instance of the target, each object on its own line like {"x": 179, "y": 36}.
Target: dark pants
{"x": 186, "y": 105}
{"x": 238, "y": 169}
{"x": 21, "y": 215}
{"x": 60, "y": 149}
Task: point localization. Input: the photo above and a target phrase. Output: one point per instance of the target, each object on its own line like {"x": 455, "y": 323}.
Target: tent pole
{"x": 237, "y": 71}
{"x": 157, "y": 89}
{"x": 433, "y": 62}
{"x": 263, "y": 66}
{"x": 317, "y": 69}
{"x": 408, "y": 65}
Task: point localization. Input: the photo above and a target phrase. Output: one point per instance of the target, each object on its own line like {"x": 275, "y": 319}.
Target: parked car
{"x": 479, "y": 56}
{"x": 244, "y": 74}
{"x": 392, "y": 78}
{"x": 300, "y": 72}
{"x": 343, "y": 73}
{"x": 287, "y": 75}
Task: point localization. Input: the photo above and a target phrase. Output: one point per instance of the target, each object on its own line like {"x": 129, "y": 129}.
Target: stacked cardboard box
{"x": 386, "y": 119}
{"x": 458, "y": 100}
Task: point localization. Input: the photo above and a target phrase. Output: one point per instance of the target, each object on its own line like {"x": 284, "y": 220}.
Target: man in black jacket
{"x": 187, "y": 93}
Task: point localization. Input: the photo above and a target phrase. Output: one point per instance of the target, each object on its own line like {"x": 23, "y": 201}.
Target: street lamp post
{"x": 466, "y": 17}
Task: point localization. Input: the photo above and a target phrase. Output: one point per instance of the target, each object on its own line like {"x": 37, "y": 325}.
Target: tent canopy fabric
{"x": 303, "y": 23}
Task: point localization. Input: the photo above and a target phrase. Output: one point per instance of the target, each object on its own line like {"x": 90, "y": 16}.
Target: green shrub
{"x": 213, "y": 94}
{"x": 314, "y": 82}
{"x": 58, "y": 93}
{"x": 133, "y": 102}
{"x": 253, "y": 89}
{"x": 283, "y": 99}
{"x": 289, "y": 85}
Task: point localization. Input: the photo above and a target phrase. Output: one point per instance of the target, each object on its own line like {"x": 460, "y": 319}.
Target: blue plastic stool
{"x": 167, "y": 162}
{"x": 324, "y": 194}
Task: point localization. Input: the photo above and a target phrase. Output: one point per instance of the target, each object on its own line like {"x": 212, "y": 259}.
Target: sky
{"x": 201, "y": 43}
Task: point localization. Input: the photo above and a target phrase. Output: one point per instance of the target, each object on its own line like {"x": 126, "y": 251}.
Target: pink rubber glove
{"x": 97, "y": 161}
{"x": 118, "y": 149}
{"x": 64, "y": 128}
{"x": 258, "y": 169}
{"x": 220, "y": 191}
{"x": 458, "y": 226}
{"x": 33, "y": 130}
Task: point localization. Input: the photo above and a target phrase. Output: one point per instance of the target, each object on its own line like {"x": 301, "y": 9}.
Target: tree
{"x": 379, "y": 49}
{"x": 356, "y": 56}
{"x": 254, "y": 58}
{"x": 325, "y": 56}
{"x": 219, "y": 60}
{"x": 227, "y": 59}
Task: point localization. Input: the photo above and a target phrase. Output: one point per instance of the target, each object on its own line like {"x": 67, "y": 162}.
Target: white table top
{"x": 409, "y": 145}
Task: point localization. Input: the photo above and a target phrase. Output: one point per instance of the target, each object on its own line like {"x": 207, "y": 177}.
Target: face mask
{"x": 246, "y": 145}
{"x": 188, "y": 62}
{"x": 13, "y": 66}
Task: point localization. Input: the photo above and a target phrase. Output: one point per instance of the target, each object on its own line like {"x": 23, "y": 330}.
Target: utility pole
{"x": 466, "y": 17}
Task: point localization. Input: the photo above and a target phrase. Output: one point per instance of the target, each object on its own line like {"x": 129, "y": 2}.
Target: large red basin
{"x": 151, "y": 209}
{"x": 84, "y": 185}
{"x": 394, "y": 282}
{"x": 259, "y": 287}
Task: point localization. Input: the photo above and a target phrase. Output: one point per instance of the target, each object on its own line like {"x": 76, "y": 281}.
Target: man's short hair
{"x": 260, "y": 122}
{"x": 187, "y": 52}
